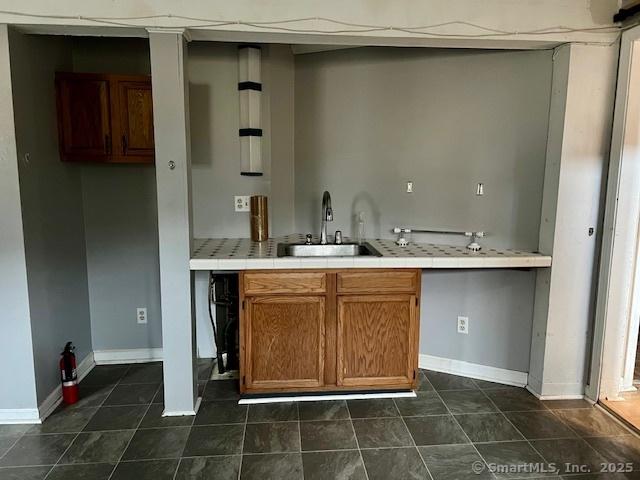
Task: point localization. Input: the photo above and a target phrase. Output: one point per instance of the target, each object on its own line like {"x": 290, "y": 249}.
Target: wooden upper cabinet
{"x": 136, "y": 119}
{"x": 105, "y": 118}
{"x": 84, "y": 118}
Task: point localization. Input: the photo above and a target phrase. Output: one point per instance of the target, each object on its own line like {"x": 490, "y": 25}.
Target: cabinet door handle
{"x": 107, "y": 144}
{"x": 124, "y": 144}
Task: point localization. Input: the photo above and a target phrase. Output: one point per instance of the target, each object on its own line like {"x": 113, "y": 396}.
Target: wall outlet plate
{"x": 463, "y": 325}
{"x": 141, "y": 315}
{"x": 241, "y": 203}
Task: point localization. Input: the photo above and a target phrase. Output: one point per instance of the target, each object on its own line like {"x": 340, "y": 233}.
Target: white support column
{"x": 173, "y": 179}
{"x": 18, "y": 401}
{"x": 577, "y": 153}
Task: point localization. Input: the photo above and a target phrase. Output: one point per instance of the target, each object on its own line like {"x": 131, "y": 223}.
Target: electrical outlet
{"x": 409, "y": 187}
{"x": 141, "y": 315}
{"x": 463, "y": 325}
{"x": 242, "y": 203}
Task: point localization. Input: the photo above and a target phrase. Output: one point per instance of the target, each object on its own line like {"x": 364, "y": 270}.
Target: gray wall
{"x": 215, "y": 150}
{"x": 215, "y": 145}
{"x": 120, "y": 213}
{"x": 119, "y": 201}
{"x": 369, "y": 119}
{"x": 15, "y": 323}
{"x": 51, "y": 211}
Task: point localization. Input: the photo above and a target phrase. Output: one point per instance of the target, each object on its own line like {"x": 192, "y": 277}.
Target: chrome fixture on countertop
{"x": 473, "y": 245}
{"x": 327, "y": 216}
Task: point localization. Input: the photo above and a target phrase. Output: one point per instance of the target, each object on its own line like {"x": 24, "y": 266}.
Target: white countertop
{"x": 243, "y": 254}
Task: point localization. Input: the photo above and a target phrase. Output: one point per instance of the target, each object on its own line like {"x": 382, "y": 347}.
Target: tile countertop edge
{"x": 220, "y": 264}
{"x": 233, "y": 254}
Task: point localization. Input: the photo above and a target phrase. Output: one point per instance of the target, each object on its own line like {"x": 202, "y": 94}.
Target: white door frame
{"x": 619, "y": 239}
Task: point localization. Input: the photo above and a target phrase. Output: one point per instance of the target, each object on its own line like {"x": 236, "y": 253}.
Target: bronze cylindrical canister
{"x": 259, "y": 218}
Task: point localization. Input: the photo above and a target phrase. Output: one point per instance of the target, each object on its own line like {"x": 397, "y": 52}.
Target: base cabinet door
{"x": 377, "y": 340}
{"x": 284, "y": 342}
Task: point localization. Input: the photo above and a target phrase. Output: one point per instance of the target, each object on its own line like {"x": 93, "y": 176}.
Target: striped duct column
{"x": 250, "y": 89}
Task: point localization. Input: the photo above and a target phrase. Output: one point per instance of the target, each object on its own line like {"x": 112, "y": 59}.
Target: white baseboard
{"x": 555, "y": 391}
{"x": 37, "y": 415}
{"x": 19, "y": 415}
{"x": 184, "y": 413}
{"x": 131, "y": 355}
{"x": 333, "y": 396}
{"x": 55, "y": 398}
{"x": 559, "y": 391}
{"x": 473, "y": 370}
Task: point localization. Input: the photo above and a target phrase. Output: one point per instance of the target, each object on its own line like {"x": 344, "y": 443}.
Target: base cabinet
{"x": 375, "y": 340}
{"x": 326, "y": 330}
{"x": 279, "y": 329}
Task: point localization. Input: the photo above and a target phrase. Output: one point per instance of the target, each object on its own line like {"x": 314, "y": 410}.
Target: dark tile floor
{"x": 117, "y": 432}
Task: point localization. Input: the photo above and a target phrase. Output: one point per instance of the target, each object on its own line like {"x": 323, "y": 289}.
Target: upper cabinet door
{"x": 135, "y": 105}
{"x": 84, "y": 118}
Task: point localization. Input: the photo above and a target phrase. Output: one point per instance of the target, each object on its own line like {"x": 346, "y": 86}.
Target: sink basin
{"x": 329, "y": 250}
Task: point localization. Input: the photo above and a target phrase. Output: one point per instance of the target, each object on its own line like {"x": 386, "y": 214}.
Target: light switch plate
{"x": 241, "y": 203}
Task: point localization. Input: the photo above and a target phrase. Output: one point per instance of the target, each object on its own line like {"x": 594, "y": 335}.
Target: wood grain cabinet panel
{"x": 286, "y": 282}
{"x": 381, "y": 281}
{"x": 284, "y": 342}
{"x": 136, "y": 119}
{"x": 304, "y": 330}
{"x": 84, "y": 118}
{"x": 377, "y": 339}
{"x": 105, "y": 118}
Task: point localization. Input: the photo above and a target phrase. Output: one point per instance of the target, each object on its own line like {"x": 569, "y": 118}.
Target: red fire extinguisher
{"x": 69, "y": 375}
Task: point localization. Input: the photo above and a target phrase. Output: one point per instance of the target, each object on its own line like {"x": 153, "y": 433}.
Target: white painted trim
{"x": 132, "y": 355}
{"x": 185, "y": 413}
{"x": 54, "y": 399}
{"x": 556, "y": 397}
{"x": 19, "y": 415}
{"x": 619, "y": 240}
{"x": 37, "y": 415}
{"x": 473, "y": 370}
{"x": 337, "y": 396}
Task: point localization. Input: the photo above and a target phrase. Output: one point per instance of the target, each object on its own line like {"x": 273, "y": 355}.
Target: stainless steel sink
{"x": 329, "y": 250}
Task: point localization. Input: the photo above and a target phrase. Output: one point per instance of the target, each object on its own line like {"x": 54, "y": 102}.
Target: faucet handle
{"x": 338, "y": 237}
{"x": 308, "y": 241}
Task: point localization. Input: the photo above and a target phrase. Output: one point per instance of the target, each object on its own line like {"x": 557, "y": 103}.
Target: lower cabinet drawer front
{"x": 395, "y": 281}
{"x": 259, "y": 283}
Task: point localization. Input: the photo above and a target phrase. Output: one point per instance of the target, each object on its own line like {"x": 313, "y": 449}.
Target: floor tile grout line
{"x": 129, "y": 442}
{"x": 566, "y": 423}
{"x": 68, "y": 447}
{"x": 299, "y": 434}
{"x": 244, "y": 433}
{"x": 12, "y": 445}
{"x": 77, "y": 434}
{"x": 177, "y": 466}
{"x": 465, "y": 434}
{"x": 520, "y": 432}
{"x": 413, "y": 441}
{"x": 353, "y": 429}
